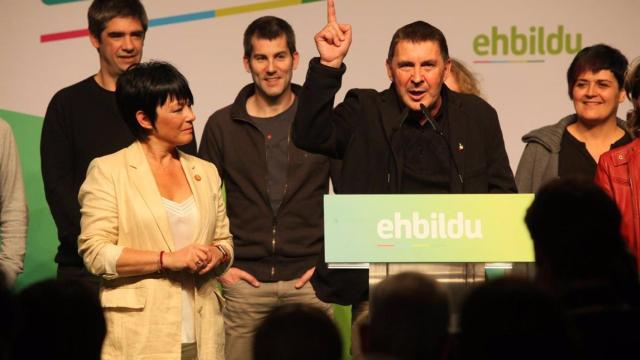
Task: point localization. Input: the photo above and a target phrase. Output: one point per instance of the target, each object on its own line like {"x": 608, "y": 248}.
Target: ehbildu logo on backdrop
{"x": 529, "y": 45}
{"x": 434, "y": 226}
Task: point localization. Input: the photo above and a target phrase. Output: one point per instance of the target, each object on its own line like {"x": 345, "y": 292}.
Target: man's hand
{"x": 334, "y": 40}
{"x": 234, "y": 275}
{"x": 304, "y": 278}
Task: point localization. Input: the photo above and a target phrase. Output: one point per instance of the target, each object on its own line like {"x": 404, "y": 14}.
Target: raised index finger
{"x": 331, "y": 11}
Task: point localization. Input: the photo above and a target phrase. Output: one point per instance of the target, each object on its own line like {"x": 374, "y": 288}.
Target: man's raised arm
{"x": 317, "y": 127}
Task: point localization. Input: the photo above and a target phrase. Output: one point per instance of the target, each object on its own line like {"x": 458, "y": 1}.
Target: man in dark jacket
{"x": 274, "y": 190}
{"x": 415, "y": 137}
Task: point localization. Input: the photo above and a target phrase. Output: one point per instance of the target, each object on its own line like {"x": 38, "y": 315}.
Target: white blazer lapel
{"x": 144, "y": 182}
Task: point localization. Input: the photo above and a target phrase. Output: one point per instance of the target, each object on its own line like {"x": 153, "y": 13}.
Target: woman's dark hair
{"x": 146, "y": 86}
{"x": 596, "y": 58}
{"x": 632, "y": 87}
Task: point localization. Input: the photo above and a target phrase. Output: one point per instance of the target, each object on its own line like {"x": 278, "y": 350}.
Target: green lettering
{"x": 480, "y": 44}
{"x": 497, "y": 37}
{"x": 541, "y": 40}
{"x": 532, "y": 40}
{"x": 578, "y": 45}
{"x": 555, "y": 39}
{"x": 518, "y": 42}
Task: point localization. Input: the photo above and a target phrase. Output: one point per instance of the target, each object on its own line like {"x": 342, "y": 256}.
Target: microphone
{"x": 425, "y": 111}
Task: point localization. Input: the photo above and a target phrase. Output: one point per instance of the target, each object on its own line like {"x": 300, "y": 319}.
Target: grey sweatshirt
{"x": 13, "y": 207}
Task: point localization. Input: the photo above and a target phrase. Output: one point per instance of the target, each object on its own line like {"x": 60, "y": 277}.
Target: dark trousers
{"x": 81, "y": 274}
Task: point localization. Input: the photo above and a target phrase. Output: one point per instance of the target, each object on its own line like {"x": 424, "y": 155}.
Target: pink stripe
{"x": 64, "y": 35}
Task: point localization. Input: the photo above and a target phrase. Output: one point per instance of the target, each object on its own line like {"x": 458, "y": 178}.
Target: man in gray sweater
{"x": 13, "y": 208}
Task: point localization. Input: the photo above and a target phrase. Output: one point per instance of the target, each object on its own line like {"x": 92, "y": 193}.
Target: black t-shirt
{"x": 575, "y": 160}
{"x": 276, "y": 139}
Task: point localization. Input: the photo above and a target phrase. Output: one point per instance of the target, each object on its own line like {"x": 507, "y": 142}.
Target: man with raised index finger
{"x": 416, "y": 137}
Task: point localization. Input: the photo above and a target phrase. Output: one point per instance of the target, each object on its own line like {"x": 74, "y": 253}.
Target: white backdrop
{"x": 209, "y": 51}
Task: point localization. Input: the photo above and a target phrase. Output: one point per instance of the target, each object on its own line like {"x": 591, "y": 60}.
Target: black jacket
{"x": 270, "y": 246}
{"x": 360, "y": 131}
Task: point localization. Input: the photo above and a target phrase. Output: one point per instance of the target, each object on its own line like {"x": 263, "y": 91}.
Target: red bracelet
{"x": 225, "y": 256}
{"x": 161, "y": 262}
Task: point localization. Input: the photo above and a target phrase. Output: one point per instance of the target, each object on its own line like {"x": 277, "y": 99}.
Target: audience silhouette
{"x": 408, "y": 319}
{"x": 58, "y": 319}
{"x": 297, "y": 331}
{"x": 582, "y": 257}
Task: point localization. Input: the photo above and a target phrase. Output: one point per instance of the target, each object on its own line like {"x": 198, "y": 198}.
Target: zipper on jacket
{"x": 286, "y": 178}
{"x": 266, "y": 180}
{"x": 284, "y": 192}
{"x": 275, "y": 214}
{"x": 273, "y": 245}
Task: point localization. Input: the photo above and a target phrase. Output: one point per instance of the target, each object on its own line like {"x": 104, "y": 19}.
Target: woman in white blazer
{"x": 154, "y": 227}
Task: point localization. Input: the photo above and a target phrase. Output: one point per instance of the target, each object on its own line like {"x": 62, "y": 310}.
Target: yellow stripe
{"x": 234, "y": 10}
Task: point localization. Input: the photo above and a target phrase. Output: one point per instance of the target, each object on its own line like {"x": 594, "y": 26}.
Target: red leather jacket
{"x": 618, "y": 174}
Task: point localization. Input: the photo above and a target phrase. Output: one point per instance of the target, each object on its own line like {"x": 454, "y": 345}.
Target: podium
{"x": 450, "y": 237}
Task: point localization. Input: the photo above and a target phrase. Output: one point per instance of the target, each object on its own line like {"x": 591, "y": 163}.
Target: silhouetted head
{"x": 575, "y": 229}
{"x": 408, "y": 318}
{"x": 297, "y": 331}
{"x": 59, "y": 319}
{"x": 512, "y": 318}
